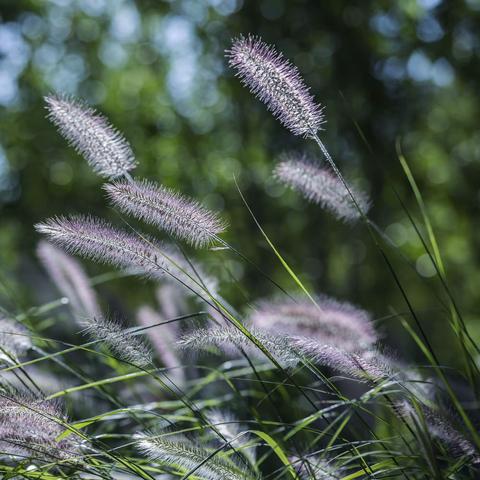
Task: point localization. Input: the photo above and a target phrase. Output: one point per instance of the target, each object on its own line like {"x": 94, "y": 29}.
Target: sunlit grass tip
{"x": 122, "y": 342}
{"x": 102, "y": 145}
{"x": 277, "y": 83}
{"x": 166, "y": 209}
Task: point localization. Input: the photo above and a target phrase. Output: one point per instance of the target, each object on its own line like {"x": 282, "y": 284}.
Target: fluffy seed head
{"x": 321, "y": 186}
{"x": 157, "y": 205}
{"x": 103, "y": 146}
{"x": 441, "y": 428}
{"x": 230, "y": 340}
{"x": 30, "y": 427}
{"x": 289, "y": 351}
{"x": 370, "y": 366}
{"x": 70, "y": 279}
{"x": 120, "y": 341}
{"x": 95, "y": 239}
{"x": 331, "y": 322}
{"x": 14, "y": 340}
{"x": 277, "y": 83}
{"x": 178, "y": 451}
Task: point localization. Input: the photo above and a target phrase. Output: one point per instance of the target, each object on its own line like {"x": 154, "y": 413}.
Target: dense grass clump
{"x": 298, "y": 385}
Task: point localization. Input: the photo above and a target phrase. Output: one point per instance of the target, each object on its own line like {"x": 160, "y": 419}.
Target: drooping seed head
{"x": 289, "y": 351}
{"x": 329, "y": 321}
{"x": 369, "y": 365}
{"x": 103, "y": 146}
{"x": 320, "y": 186}
{"x": 95, "y": 239}
{"x": 30, "y": 428}
{"x": 70, "y": 279}
{"x": 230, "y": 339}
{"x": 439, "y": 427}
{"x": 123, "y": 343}
{"x": 277, "y": 83}
{"x": 14, "y": 340}
{"x": 157, "y": 205}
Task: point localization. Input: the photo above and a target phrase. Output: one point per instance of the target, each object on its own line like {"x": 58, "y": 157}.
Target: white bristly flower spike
{"x": 277, "y": 83}
{"x": 31, "y": 428}
{"x": 120, "y": 341}
{"x": 320, "y": 186}
{"x": 102, "y": 145}
{"x": 97, "y": 240}
{"x": 157, "y": 205}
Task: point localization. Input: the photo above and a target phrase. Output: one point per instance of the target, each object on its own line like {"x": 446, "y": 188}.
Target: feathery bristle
{"x": 30, "y": 427}
{"x": 14, "y": 340}
{"x": 277, "y": 83}
{"x": 291, "y": 350}
{"x": 103, "y": 146}
{"x": 441, "y": 428}
{"x": 97, "y": 240}
{"x": 321, "y": 186}
{"x": 329, "y": 321}
{"x": 229, "y": 427}
{"x": 166, "y": 209}
{"x": 179, "y": 452}
{"x": 70, "y": 279}
{"x": 229, "y": 339}
{"x": 369, "y": 365}
{"x": 163, "y": 338}
{"x": 121, "y": 342}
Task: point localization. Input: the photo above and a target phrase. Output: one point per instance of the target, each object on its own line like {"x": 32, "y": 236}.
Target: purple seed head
{"x": 123, "y": 343}
{"x": 103, "y": 146}
{"x": 320, "y": 186}
{"x": 331, "y": 322}
{"x": 440, "y": 427}
{"x": 178, "y": 451}
{"x": 277, "y": 83}
{"x": 70, "y": 279}
{"x": 30, "y": 427}
{"x": 369, "y": 365}
{"x": 157, "y": 205}
{"x": 95, "y": 239}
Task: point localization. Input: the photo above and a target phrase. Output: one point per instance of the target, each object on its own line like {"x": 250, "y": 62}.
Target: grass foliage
{"x": 296, "y": 386}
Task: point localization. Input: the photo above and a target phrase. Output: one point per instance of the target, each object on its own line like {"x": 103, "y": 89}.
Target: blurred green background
{"x": 389, "y": 72}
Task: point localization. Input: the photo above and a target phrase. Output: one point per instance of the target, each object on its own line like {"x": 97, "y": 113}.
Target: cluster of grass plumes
{"x": 30, "y": 427}
{"x": 299, "y": 386}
